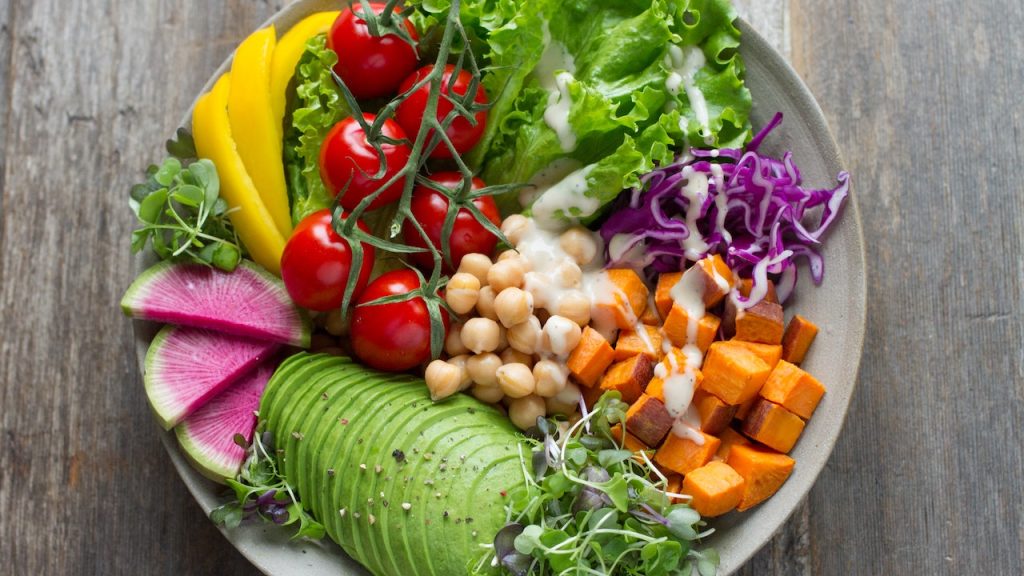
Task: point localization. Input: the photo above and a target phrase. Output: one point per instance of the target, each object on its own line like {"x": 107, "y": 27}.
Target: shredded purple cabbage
{"x": 762, "y": 232}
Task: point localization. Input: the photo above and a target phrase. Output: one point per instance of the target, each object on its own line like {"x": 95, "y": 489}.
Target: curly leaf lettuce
{"x": 318, "y": 105}
{"x": 628, "y": 69}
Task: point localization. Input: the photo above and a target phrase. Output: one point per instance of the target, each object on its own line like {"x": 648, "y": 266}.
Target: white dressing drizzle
{"x": 568, "y": 197}
{"x": 760, "y": 289}
{"x": 554, "y": 72}
{"x": 683, "y": 68}
{"x": 721, "y": 201}
{"x": 695, "y": 190}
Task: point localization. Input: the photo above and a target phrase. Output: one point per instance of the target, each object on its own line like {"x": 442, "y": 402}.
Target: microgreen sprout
{"x": 588, "y": 506}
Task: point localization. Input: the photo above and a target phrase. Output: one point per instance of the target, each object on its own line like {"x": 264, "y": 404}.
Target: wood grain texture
{"x": 923, "y": 96}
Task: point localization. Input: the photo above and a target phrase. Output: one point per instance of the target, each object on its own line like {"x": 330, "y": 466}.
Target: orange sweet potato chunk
{"x": 729, "y": 314}
{"x": 793, "y": 389}
{"x": 630, "y": 343}
{"x": 590, "y": 358}
{"x": 715, "y": 415}
{"x": 648, "y": 420}
{"x": 656, "y": 387}
{"x": 714, "y": 489}
{"x": 629, "y": 441}
{"x": 770, "y": 353}
{"x": 629, "y": 377}
{"x": 677, "y": 326}
{"x": 797, "y": 339}
{"x": 733, "y": 373}
{"x": 718, "y": 279}
{"x": 773, "y": 426}
{"x": 682, "y": 455}
{"x": 663, "y": 292}
{"x": 763, "y": 322}
{"x": 674, "y": 485}
{"x": 629, "y": 298}
{"x": 730, "y": 438}
{"x": 763, "y": 470}
{"x": 744, "y": 409}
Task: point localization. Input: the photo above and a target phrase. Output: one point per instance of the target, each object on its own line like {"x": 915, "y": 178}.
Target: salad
{"x": 476, "y": 287}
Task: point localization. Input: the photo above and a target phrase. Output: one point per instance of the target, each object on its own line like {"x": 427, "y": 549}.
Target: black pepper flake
{"x": 458, "y": 520}
{"x": 471, "y": 410}
{"x": 324, "y": 395}
{"x": 398, "y": 455}
{"x": 330, "y": 472}
{"x": 446, "y": 514}
{"x": 469, "y": 520}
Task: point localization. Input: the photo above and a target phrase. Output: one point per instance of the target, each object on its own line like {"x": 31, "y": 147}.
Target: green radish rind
{"x": 134, "y": 302}
{"x": 474, "y": 457}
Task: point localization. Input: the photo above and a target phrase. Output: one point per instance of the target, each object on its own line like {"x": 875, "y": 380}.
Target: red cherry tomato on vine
{"x": 429, "y": 208}
{"x": 393, "y": 337}
{"x": 371, "y": 66}
{"x": 346, "y": 158}
{"x": 462, "y": 134}
{"x": 316, "y": 262}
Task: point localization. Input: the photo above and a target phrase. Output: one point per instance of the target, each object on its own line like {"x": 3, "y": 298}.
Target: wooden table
{"x": 924, "y": 97}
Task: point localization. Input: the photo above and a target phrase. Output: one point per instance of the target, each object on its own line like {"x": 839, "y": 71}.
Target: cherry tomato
{"x": 393, "y": 337}
{"x": 462, "y": 134}
{"x": 429, "y": 207}
{"x": 316, "y": 263}
{"x": 370, "y": 66}
{"x": 347, "y": 159}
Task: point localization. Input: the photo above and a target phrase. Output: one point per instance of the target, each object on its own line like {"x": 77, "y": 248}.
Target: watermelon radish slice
{"x": 186, "y": 367}
{"x": 208, "y": 436}
{"x": 248, "y": 302}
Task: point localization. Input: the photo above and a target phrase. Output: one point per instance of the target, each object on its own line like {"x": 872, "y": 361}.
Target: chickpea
{"x": 540, "y": 287}
{"x": 334, "y": 325}
{"x": 485, "y": 303}
{"x": 523, "y": 412}
{"x": 477, "y": 265}
{"x": 442, "y": 379}
{"x": 551, "y": 378}
{"x": 568, "y": 275}
{"x": 462, "y": 292}
{"x": 525, "y": 336}
{"x": 487, "y": 394}
{"x": 579, "y": 243}
{"x": 481, "y": 335}
{"x": 483, "y": 369}
{"x": 516, "y": 380}
{"x": 507, "y": 255}
{"x": 514, "y": 227}
{"x": 560, "y": 335}
{"x": 453, "y": 345}
{"x": 565, "y": 402}
{"x": 502, "y": 338}
{"x": 506, "y": 274}
{"x": 513, "y": 356}
{"x": 460, "y": 361}
{"x": 575, "y": 306}
{"x": 513, "y": 306}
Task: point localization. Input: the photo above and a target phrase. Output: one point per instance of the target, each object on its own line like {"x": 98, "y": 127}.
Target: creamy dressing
{"x": 547, "y": 177}
{"x": 684, "y": 63}
{"x": 568, "y": 197}
{"x": 760, "y": 287}
{"x": 721, "y": 201}
{"x": 555, "y": 72}
{"x": 695, "y": 190}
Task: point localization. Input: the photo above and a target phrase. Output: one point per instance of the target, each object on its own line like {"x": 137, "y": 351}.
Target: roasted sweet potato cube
{"x": 714, "y": 489}
{"x": 632, "y": 342}
{"x": 729, "y": 438}
{"x": 733, "y": 373}
{"x": 773, "y": 426}
{"x": 746, "y": 285}
{"x": 629, "y": 377}
{"x": 715, "y": 415}
{"x": 718, "y": 279}
{"x": 590, "y": 358}
{"x": 682, "y": 455}
{"x": 673, "y": 363}
{"x": 663, "y": 292}
{"x": 627, "y": 298}
{"x": 770, "y": 353}
{"x": 794, "y": 389}
{"x": 677, "y": 326}
{"x": 648, "y": 420}
{"x": 674, "y": 485}
{"x": 744, "y": 408}
{"x": 797, "y": 339}
{"x": 650, "y": 316}
{"x": 730, "y": 312}
{"x": 629, "y": 441}
{"x": 763, "y": 470}
{"x": 763, "y": 322}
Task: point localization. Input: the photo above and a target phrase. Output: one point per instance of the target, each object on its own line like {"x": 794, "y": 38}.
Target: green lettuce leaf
{"x": 317, "y": 106}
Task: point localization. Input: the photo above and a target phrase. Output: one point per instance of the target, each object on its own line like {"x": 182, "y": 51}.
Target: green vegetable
{"x": 317, "y": 106}
{"x": 183, "y": 217}
{"x": 587, "y": 506}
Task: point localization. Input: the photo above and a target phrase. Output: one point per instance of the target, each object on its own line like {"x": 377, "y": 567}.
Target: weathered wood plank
{"x": 924, "y": 97}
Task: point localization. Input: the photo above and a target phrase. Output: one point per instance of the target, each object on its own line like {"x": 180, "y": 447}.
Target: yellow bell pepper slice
{"x": 290, "y": 48}
{"x": 253, "y": 127}
{"x": 212, "y": 132}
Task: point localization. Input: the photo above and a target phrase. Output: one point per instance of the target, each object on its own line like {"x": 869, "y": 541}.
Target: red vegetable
{"x": 429, "y": 208}
{"x": 346, "y": 159}
{"x": 393, "y": 337}
{"x": 316, "y": 262}
{"x": 461, "y": 132}
{"x": 370, "y": 66}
